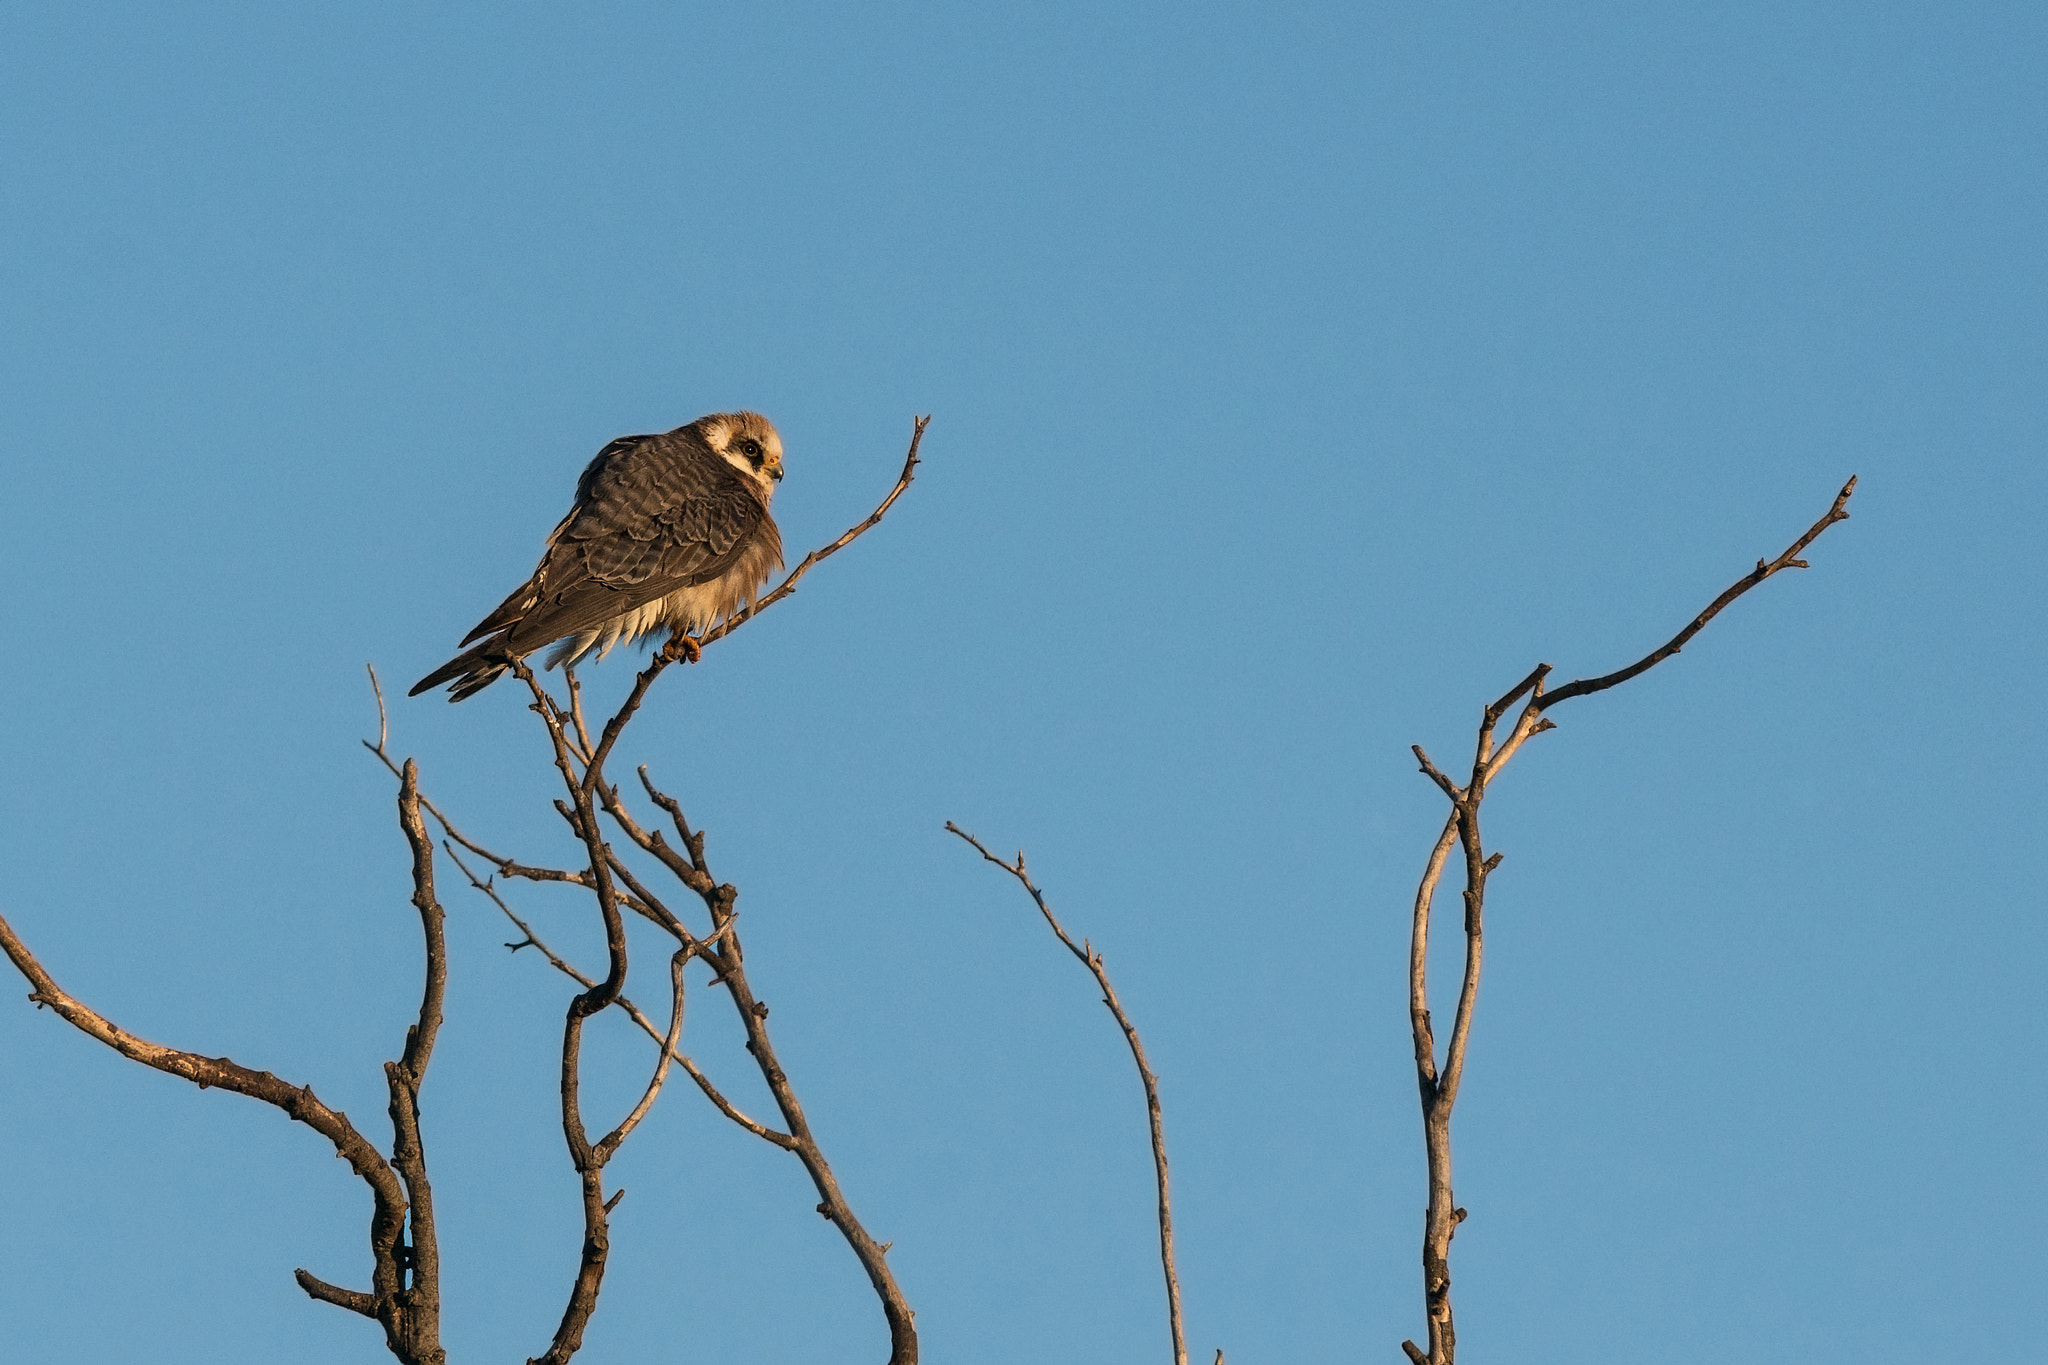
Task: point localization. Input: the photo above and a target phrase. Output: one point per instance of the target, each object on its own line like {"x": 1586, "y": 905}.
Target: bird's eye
{"x": 751, "y": 448}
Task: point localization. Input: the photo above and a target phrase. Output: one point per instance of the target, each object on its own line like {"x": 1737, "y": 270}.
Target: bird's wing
{"x": 652, "y": 514}
{"x": 526, "y": 596}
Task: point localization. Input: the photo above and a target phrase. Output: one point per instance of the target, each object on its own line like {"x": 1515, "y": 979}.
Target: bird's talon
{"x": 683, "y": 647}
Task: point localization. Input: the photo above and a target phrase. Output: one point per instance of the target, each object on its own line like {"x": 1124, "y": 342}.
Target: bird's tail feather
{"x": 470, "y": 671}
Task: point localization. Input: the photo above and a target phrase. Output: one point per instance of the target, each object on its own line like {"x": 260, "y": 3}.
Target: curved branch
{"x": 529, "y": 939}
{"x": 730, "y": 963}
{"x": 613, "y": 1140}
{"x": 298, "y": 1103}
{"x": 1418, "y": 961}
{"x": 788, "y": 585}
{"x": 1788, "y": 560}
{"x": 1093, "y": 961}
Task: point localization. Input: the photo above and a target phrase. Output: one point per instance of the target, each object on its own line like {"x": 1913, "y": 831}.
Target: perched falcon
{"x": 668, "y": 531}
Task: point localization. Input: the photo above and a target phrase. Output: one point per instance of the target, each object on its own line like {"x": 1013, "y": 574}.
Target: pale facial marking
{"x": 750, "y": 444}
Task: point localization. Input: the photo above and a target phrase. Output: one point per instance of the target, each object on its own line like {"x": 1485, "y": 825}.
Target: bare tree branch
{"x": 416, "y": 1307}
{"x": 576, "y": 710}
{"x": 618, "y": 1135}
{"x": 529, "y": 939}
{"x": 1418, "y": 956}
{"x": 297, "y": 1102}
{"x": 505, "y": 867}
{"x": 653, "y": 910}
{"x": 1092, "y": 960}
{"x": 352, "y": 1299}
{"x": 1439, "y": 1089}
{"x": 405, "y": 1294}
{"x": 729, "y": 962}
{"x": 587, "y": 1160}
{"x": 1788, "y": 560}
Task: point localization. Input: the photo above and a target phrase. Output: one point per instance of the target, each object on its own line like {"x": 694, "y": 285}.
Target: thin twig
{"x": 1093, "y": 961}
{"x": 505, "y": 867}
{"x": 1788, "y": 560}
{"x": 655, "y": 911}
{"x": 529, "y": 939}
{"x": 788, "y": 585}
{"x": 383, "y": 721}
{"x": 719, "y": 899}
{"x": 613, "y": 1140}
{"x": 576, "y": 709}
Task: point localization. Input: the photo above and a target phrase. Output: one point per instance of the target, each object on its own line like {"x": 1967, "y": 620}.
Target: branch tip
{"x": 383, "y": 729}
{"x": 354, "y": 1300}
{"x": 1764, "y": 569}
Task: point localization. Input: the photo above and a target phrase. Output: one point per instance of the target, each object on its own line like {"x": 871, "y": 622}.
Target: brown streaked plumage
{"x": 668, "y": 532}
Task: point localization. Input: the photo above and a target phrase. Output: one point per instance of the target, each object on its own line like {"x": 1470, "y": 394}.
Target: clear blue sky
{"x": 1301, "y": 375}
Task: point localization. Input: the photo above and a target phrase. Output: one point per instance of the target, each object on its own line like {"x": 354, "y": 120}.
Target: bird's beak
{"x": 776, "y": 473}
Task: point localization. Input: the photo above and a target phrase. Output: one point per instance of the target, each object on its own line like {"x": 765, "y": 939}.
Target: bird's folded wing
{"x": 652, "y": 517}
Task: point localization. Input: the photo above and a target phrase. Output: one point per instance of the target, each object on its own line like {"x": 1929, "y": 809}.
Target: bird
{"x": 669, "y": 531}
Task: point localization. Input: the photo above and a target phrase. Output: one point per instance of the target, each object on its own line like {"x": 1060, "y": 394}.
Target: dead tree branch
{"x": 405, "y": 1279}
{"x": 417, "y": 1308}
{"x": 729, "y": 962}
{"x": 529, "y": 939}
{"x": 1439, "y": 1087}
{"x": 599, "y": 996}
{"x": 1092, "y": 960}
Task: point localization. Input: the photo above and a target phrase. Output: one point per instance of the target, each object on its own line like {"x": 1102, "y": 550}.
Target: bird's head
{"x": 748, "y": 442}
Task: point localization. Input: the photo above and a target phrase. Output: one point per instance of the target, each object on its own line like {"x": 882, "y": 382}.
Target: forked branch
{"x": 1092, "y": 960}
{"x": 729, "y": 961}
{"x": 405, "y": 1285}
{"x": 1439, "y": 1086}
{"x": 529, "y": 939}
